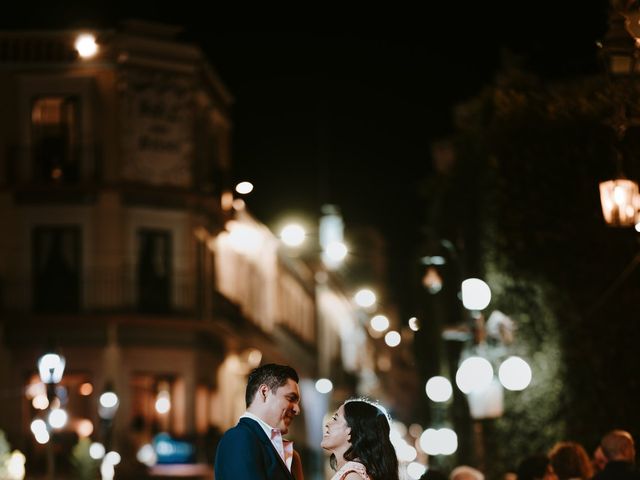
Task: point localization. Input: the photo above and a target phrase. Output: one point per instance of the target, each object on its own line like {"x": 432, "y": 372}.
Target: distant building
{"x": 121, "y": 249}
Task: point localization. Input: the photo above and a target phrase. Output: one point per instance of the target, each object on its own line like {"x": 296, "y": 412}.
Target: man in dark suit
{"x": 619, "y": 449}
{"x": 254, "y": 449}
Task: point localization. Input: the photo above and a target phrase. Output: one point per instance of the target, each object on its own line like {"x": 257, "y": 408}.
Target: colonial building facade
{"x": 122, "y": 249}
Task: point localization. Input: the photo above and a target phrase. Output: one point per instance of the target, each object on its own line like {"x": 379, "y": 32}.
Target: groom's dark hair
{"x": 272, "y": 375}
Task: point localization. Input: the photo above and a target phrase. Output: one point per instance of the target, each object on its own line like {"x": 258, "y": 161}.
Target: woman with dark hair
{"x": 357, "y": 436}
{"x": 569, "y": 460}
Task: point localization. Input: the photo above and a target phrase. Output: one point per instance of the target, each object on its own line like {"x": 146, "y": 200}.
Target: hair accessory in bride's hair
{"x": 375, "y": 403}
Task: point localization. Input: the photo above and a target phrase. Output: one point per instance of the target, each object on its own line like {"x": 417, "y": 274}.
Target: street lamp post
{"x": 50, "y": 369}
{"x": 107, "y": 408}
{"x": 108, "y": 404}
{"x": 475, "y": 376}
{"x": 330, "y": 237}
{"x": 620, "y": 196}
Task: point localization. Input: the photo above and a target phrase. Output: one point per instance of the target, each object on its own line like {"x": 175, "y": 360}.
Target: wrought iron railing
{"x": 101, "y": 290}
{"x": 79, "y": 164}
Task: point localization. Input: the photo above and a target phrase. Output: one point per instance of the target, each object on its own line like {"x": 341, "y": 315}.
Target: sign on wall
{"x": 157, "y": 127}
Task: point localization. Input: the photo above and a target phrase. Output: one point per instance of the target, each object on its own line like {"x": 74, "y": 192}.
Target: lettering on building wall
{"x": 157, "y": 127}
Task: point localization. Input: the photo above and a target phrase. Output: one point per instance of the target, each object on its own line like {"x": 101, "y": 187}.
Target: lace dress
{"x": 351, "y": 467}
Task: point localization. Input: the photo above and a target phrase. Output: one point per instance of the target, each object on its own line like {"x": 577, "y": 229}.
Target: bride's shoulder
{"x": 354, "y": 471}
{"x": 354, "y": 476}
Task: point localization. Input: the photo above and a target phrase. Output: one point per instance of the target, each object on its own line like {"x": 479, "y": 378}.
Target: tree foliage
{"x": 529, "y": 156}
{"x": 84, "y": 466}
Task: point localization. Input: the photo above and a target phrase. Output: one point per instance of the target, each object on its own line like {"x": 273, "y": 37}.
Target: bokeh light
{"x": 439, "y": 389}
{"x": 147, "y": 455}
{"x": 58, "y": 418}
{"x": 163, "y": 402}
{"x": 415, "y": 470}
{"x": 293, "y": 235}
{"x": 514, "y": 374}
{"x": 476, "y": 294}
{"x": 96, "y": 451}
{"x": 244, "y": 187}
{"x": 108, "y": 399}
{"x": 392, "y": 338}
{"x": 86, "y": 45}
{"x": 443, "y": 441}
{"x": 85, "y": 389}
{"x": 40, "y": 402}
{"x": 324, "y": 385}
{"x": 335, "y": 253}
{"x": 379, "y": 323}
{"x": 414, "y": 324}
{"x": 365, "y": 298}
{"x": 474, "y": 373}
{"x": 84, "y": 428}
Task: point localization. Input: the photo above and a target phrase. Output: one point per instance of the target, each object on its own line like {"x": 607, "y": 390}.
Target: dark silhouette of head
{"x": 570, "y": 460}
{"x": 618, "y": 445}
{"x": 533, "y": 467}
{"x": 432, "y": 474}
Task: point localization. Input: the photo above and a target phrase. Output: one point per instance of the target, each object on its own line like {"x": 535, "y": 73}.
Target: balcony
{"x": 40, "y": 168}
{"x": 107, "y": 290}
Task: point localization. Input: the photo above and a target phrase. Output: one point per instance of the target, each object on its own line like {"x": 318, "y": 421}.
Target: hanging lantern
{"x": 432, "y": 280}
{"x": 51, "y": 368}
{"x": 620, "y": 201}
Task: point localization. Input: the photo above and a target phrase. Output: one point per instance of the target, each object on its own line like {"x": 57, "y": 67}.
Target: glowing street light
{"x": 86, "y": 389}
{"x": 414, "y": 324}
{"x": 244, "y": 187}
{"x": 475, "y": 373}
{"x": 163, "y": 402}
{"x": 331, "y": 236}
{"x": 415, "y": 470}
{"x": 439, "y": 389}
{"x": 113, "y": 458}
{"x": 620, "y": 200}
{"x": 58, "y": 418}
{"x": 514, "y": 374}
{"x": 108, "y": 399}
{"x": 147, "y": 455}
{"x": 293, "y": 235}
{"x": 96, "y": 450}
{"x": 334, "y": 254}
{"x": 40, "y": 431}
{"x": 429, "y": 441}
{"x": 244, "y": 238}
{"x": 108, "y": 404}
{"x": 110, "y": 460}
{"x": 448, "y": 441}
{"x": 84, "y": 428}
{"x": 379, "y": 323}
{"x": 15, "y": 466}
{"x": 476, "y": 294}
{"x": 432, "y": 280}
{"x": 392, "y": 338}
{"x": 51, "y": 368}
{"x": 40, "y": 402}
{"x": 442, "y": 441}
{"x": 365, "y": 298}
{"x": 86, "y": 45}
{"x": 324, "y": 385}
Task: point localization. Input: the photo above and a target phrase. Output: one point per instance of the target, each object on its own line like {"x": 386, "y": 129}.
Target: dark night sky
{"x": 343, "y": 108}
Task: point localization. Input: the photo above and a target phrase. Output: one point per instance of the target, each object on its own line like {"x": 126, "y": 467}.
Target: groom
{"x": 254, "y": 449}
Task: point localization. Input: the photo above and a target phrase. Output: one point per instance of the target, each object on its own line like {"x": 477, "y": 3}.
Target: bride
{"x": 357, "y": 435}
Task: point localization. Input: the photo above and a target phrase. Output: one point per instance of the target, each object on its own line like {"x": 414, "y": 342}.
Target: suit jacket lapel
{"x": 266, "y": 441}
